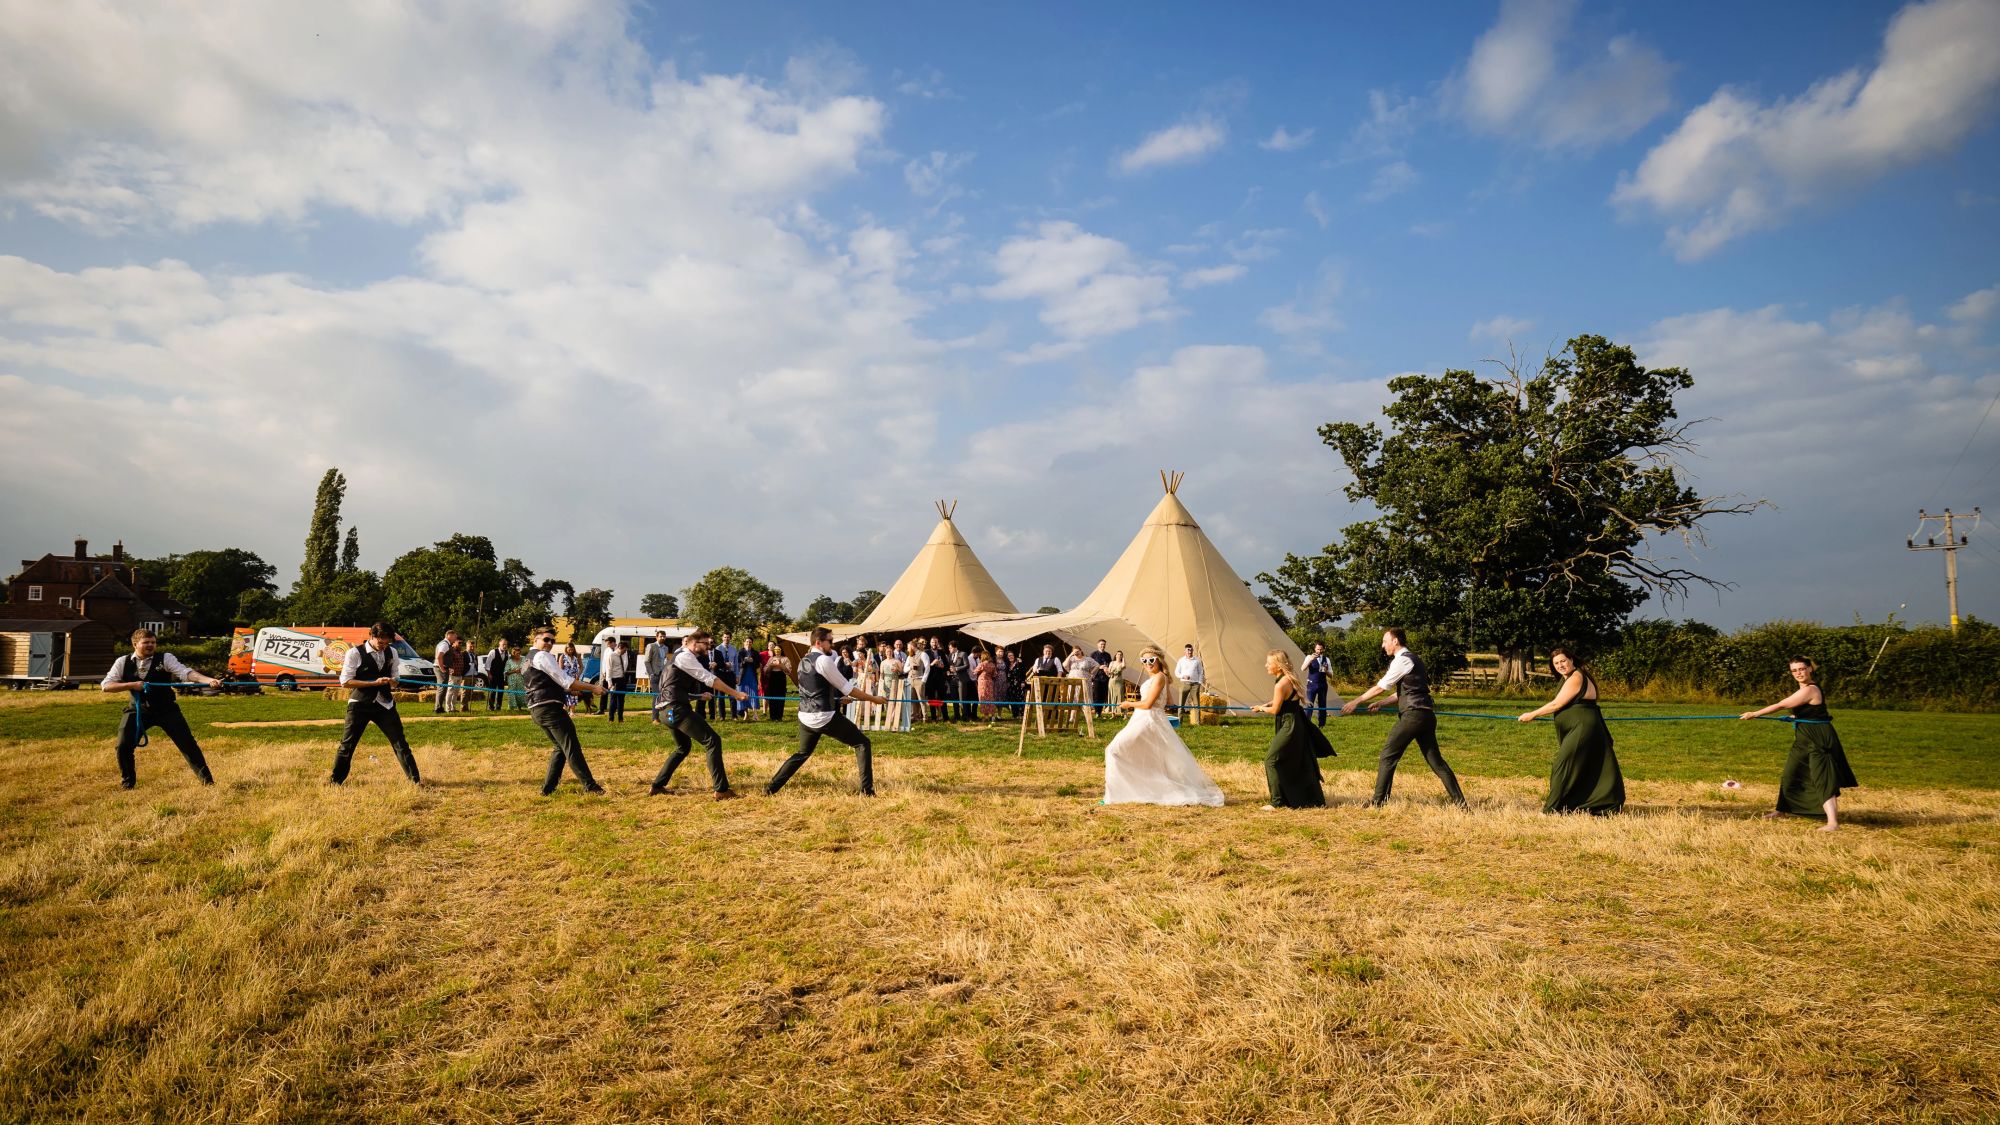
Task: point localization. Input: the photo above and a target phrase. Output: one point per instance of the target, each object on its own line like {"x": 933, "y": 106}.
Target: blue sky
{"x": 639, "y": 291}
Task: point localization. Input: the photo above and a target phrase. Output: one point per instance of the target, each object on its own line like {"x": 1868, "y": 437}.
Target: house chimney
{"x": 118, "y": 551}
{"x": 83, "y": 548}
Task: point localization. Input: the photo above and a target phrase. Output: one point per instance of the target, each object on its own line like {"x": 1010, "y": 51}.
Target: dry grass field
{"x": 982, "y": 942}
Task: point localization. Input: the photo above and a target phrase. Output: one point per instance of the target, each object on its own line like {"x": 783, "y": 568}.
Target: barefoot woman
{"x": 1584, "y": 776}
{"x": 1817, "y": 769}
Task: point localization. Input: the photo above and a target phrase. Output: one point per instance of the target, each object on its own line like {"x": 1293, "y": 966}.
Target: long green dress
{"x": 1291, "y": 766}
{"x": 1585, "y": 774}
{"x": 1817, "y": 767}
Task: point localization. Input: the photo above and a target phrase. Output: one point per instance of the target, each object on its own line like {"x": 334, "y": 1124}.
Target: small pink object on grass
{"x": 1732, "y": 783}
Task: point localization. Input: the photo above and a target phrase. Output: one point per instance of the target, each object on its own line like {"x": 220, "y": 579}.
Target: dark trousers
{"x": 967, "y": 707}
{"x": 689, "y": 727}
{"x": 1316, "y": 700}
{"x": 359, "y": 715}
{"x": 494, "y": 696}
{"x": 1100, "y": 693}
{"x": 170, "y": 720}
{"x": 1419, "y": 727}
{"x": 774, "y": 698}
{"x": 561, "y": 729}
{"x": 614, "y": 704}
{"x": 841, "y": 730}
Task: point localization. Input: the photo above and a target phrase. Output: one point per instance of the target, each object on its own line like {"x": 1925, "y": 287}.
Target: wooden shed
{"x": 49, "y": 643}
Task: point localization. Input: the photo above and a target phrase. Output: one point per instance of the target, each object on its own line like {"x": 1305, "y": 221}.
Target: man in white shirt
{"x": 147, "y": 677}
{"x": 438, "y": 661}
{"x": 368, "y": 672}
{"x": 822, "y": 690}
{"x": 1192, "y": 675}
{"x": 686, "y": 677}
{"x": 1415, "y": 722}
{"x": 548, "y": 685}
{"x": 1318, "y": 669}
{"x": 611, "y": 669}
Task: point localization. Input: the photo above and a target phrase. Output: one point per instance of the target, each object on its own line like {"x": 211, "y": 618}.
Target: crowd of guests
{"x": 924, "y": 679}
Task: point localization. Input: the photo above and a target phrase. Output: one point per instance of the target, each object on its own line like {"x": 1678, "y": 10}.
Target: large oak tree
{"x": 1516, "y": 512}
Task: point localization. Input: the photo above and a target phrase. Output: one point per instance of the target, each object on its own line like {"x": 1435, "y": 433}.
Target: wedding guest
{"x": 990, "y": 682}
{"x": 1584, "y": 775}
{"x": 1816, "y": 770}
{"x": 1189, "y": 671}
{"x": 1291, "y": 764}
{"x": 1416, "y": 720}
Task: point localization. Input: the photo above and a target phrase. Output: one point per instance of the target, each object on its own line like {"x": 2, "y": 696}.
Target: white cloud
{"x": 1390, "y": 121}
{"x": 1528, "y": 77}
{"x": 1088, "y": 285}
{"x": 1182, "y": 143}
{"x": 1501, "y": 328}
{"x": 931, "y": 174}
{"x": 1735, "y": 165}
{"x": 1284, "y": 140}
{"x": 1310, "y": 314}
{"x": 1316, "y": 209}
{"x": 1391, "y": 180}
{"x": 1976, "y": 307}
{"x": 1839, "y": 422}
{"x": 1213, "y": 275}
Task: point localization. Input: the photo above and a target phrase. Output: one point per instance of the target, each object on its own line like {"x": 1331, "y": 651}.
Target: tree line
{"x": 458, "y": 582}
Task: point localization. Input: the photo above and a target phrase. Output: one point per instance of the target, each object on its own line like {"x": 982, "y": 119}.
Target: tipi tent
{"x": 944, "y": 587}
{"x": 1170, "y": 587}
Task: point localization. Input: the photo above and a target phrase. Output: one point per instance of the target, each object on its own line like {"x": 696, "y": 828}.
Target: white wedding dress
{"x": 1148, "y": 764}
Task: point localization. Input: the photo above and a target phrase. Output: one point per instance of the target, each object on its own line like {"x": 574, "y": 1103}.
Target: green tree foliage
{"x": 660, "y": 605}
{"x": 589, "y": 611}
{"x": 449, "y": 585}
{"x": 824, "y": 610}
{"x": 1048, "y": 609}
{"x": 864, "y": 603}
{"x": 729, "y": 598}
{"x": 350, "y": 551}
{"x": 257, "y": 607}
{"x": 1516, "y": 512}
{"x": 322, "y": 559}
{"x": 352, "y": 597}
{"x": 211, "y": 583}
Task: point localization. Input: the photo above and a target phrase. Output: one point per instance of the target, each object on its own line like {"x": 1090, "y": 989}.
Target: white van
{"x": 637, "y": 637}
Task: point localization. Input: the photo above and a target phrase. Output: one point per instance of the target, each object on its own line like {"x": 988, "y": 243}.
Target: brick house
{"x": 104, "y": 588}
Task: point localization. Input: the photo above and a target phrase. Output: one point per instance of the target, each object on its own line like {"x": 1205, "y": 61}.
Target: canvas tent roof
{"x": 1170, "y": 587}
{"x": 944, "y": 587}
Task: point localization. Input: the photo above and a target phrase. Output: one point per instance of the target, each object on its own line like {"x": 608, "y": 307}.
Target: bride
{"x": 1147, "y": 764}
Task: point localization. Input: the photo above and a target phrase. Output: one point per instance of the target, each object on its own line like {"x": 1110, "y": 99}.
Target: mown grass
{"x": 984, "y": 942}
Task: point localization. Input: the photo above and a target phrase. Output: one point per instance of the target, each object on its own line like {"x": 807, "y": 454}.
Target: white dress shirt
{"x": 828, "y": 666}
{"x": 611, "y": 668}
{"x": 1399, "y": 666}
{"x": 140, "y": 668}
{"x": 350, "y": 667}
{"x": 1188, "y": 670}
{"x": 688, "y": 663}
{"x": 920, "y": 665}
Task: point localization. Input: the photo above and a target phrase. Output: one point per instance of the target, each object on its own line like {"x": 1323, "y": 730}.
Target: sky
{"x": 640, "y": 290}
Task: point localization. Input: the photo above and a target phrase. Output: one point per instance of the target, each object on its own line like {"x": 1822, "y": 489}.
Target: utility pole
{"x": 1952, "y": 542}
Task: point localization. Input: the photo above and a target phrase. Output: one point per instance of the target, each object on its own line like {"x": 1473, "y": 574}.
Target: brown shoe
{"x": 727, "y": 795}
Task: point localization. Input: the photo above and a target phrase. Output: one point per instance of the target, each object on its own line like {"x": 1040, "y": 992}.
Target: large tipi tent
{"x": 1171, "y": 586}
{"x": 944, "y": 587}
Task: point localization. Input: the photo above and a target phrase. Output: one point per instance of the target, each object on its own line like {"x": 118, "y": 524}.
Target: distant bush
{"x": 207, "y": 655}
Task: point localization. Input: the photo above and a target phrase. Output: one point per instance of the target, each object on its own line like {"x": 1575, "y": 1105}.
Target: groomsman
{"x": 611, "y": 672}
{"x": 548, "y": 685}
{"x": 147, "y": 674}
{"x": 962, "y": 688}
{"x": 685, "y": 679}
{"x": 369, "y": 672}
{"x": 1318, "y": 669}
{"x": 439, "y": 658}
{"x": 1189, "y": 671}
{"x": 822, "y": 691}
{"x": 1416, "y": 721}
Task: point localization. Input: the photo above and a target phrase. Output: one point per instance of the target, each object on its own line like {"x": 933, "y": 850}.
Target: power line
{"x": 1968, "y": 446}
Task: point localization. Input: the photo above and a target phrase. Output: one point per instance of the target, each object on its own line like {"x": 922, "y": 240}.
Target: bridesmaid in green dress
{"x": 1585, "y": 774}
{"x": 1291, "y": 767}
{"x": 1817, "y": 769}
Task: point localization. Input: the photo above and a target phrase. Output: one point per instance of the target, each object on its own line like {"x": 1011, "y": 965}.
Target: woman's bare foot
{"x": 1829, "y": 828}
{"x": 1772, "y": 815}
